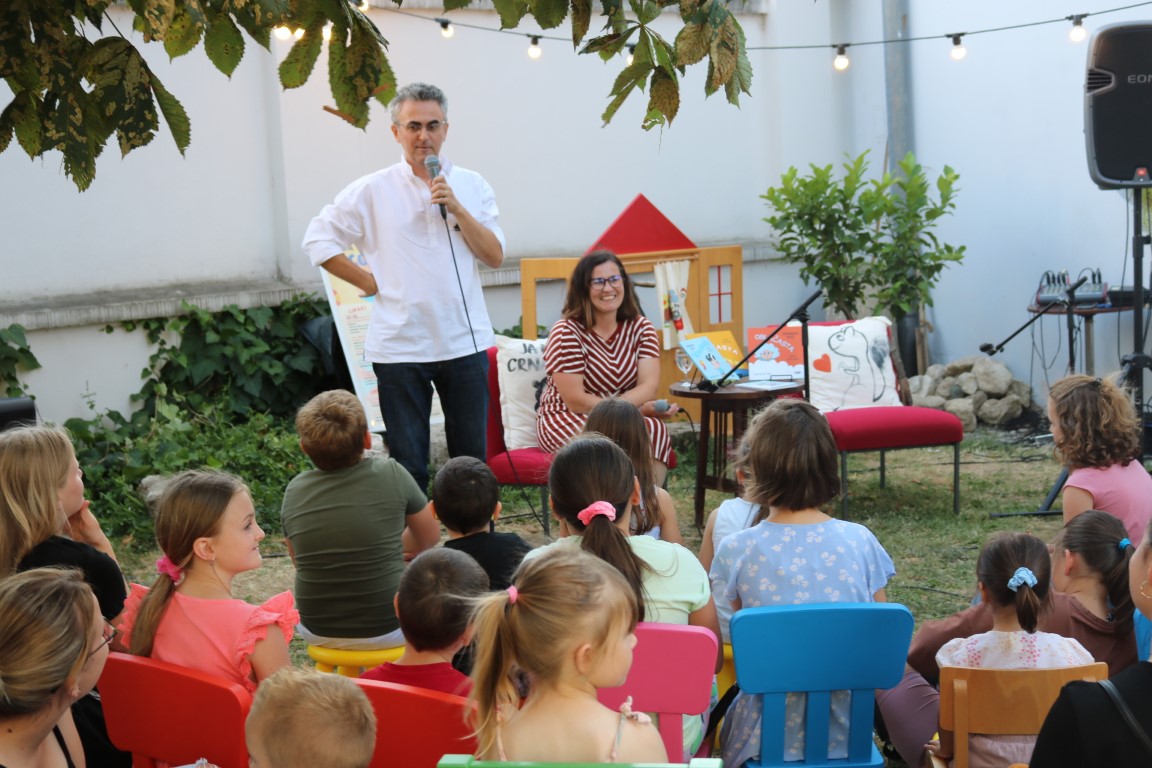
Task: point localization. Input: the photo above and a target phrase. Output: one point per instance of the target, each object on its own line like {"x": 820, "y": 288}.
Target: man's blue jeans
{"x": 406, "y": 405}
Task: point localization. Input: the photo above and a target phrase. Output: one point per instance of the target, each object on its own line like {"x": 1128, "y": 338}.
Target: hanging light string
{"x": 1063, "y": 19}
{"x": 1076, "y": 19}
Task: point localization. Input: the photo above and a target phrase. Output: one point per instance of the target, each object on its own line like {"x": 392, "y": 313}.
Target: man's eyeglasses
{"x": 600, "y": 282}
{"x": 110, "y": 633}
{"x": 415, "y": 128}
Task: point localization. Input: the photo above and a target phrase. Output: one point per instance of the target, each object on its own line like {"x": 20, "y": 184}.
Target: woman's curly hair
{"x": 1098, "y": 422}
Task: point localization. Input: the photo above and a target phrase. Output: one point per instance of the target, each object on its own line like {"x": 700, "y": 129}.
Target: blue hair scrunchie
{"x": 1124, "y": 543}
{"x": 1022, "y": 576}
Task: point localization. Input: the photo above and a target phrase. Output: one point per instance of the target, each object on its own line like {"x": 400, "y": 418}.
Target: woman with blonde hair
{"x": 53, "y": 645}
{"x": 46, "y": 521}
{"x": 1097, "y": 436}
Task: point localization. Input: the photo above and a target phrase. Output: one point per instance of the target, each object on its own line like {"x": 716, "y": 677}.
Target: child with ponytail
{"x": 568, "y": 621}
{"x": 206, "y": 526}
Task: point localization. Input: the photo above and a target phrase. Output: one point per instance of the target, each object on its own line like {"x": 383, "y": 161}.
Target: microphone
{"x": 987, "y": 348}
{"x": 811, "y": 299}
{"x": 432, "y": 163}
{"x": 1072, "y": 289}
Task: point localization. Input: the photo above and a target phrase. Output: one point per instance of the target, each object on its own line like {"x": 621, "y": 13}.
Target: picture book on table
{"x": 708, "y": 359}
{"x": 782, "y": 357}
{"x": 726, "y": 344}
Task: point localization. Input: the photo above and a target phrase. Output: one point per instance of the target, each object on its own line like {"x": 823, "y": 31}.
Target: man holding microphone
{"x": 423, "y": 235}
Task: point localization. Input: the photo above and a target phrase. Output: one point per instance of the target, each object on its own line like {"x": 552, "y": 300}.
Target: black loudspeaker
{"x": 17, "y": 412}
{"x": 1118, "y": 106}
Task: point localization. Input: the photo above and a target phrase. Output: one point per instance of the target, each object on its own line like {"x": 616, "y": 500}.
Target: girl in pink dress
{"x": 206, "y": 525}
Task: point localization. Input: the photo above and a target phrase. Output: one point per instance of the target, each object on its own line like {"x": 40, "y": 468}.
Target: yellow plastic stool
{"x": 351, "y": 663}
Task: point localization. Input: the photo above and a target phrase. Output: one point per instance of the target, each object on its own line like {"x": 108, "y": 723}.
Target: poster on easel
{"x": 351, "y": 313}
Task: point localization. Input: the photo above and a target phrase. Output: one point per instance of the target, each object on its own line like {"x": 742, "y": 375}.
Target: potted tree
{"x": 867, "y": 243}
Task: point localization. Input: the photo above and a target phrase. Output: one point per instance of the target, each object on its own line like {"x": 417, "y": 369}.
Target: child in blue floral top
{"x": 797, "y": 555}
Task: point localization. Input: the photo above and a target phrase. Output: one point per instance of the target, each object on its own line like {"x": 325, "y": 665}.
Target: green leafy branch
{"x": 72, "y": 93}
{"x": 15, "y": 355}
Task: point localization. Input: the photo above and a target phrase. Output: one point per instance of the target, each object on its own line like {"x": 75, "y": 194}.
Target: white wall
{"x": 263, "y": 161}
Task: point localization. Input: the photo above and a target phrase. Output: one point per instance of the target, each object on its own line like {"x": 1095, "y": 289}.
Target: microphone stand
{"x": 801, "y": 314}
{"x": 990, "y": 350}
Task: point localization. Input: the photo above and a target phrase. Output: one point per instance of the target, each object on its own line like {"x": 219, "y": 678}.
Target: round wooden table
{"x": 723, "y": 417}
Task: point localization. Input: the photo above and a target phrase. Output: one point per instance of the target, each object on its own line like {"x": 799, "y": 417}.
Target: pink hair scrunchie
{"x": 596, "y": 508}
{"x": 168, "y": 568}
{"x": 513, "y": 593}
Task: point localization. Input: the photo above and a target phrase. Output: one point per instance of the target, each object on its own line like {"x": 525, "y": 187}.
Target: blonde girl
{"x": 568, "y": 621}
{"x": 53, "y": 645}
{"x": 621, "y": 422}
{"x": 1097, "y": 436}
{"x": 206, "y": 526}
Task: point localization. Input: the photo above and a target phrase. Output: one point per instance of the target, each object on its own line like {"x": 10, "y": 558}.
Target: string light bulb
{"x": 299, "y": 33}
{"x": 446, "y": 28}
{"x": 326, "y": 33}
{"x": 631, "y": 53}
{"x": 534, "y": 51}
{"x": 841, "y": 62}
{"x": 282, "y": 32}
{"x": 958, "y": 50}
{"x": 364, "y": 6}
{"x": 1078, "y": 32}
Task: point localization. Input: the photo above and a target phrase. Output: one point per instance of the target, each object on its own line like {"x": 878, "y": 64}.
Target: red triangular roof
{"x": 642, "y": 228}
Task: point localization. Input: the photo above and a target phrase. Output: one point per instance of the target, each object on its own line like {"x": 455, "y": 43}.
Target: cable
{"x": 460, "y": 284}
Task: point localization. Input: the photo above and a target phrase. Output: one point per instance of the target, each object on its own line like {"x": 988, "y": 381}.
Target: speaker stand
{"x": 1135, "y": 364}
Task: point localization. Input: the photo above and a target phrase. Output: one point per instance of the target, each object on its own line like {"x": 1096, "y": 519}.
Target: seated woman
{"x": 1096, "y": 432}
{"x": 602, "y": 347}
{"x": 46, "y": 521}
{"x": 1085, "y": 727}
{"x": 53, "y": 645}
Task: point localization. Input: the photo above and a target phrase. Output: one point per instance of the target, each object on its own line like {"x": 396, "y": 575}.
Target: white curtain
{"x": 672, "y": 288}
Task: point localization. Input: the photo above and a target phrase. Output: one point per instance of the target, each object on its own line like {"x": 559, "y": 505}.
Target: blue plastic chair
{"x": 817, "y": 649}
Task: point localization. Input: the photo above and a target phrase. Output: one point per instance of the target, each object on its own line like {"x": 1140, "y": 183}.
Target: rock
{"x": 945, "y": 386}
{"x": 978, "y": 399}
{"x": 962, "y": 365}
{"x": 992, "y": 376}
{"x": 935, "y": 371}
{"x": 962, "y": 409}
{"x": 1022, "y": 391}
{"x": 923, "y": 385}
{"x": 929, "y": 401}
{"x": 967, "y": 383}
{"x": 1000, "y": 411}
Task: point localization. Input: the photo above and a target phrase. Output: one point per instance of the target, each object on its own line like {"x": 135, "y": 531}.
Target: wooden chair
{"x": 415, "y": 727}
{"x": 691, "y": 652}
{"x": 165, "y": 714}
{"x": 817, "y": 649}
{"x": 519, "y": 467}
{"x": 468, "y": 761}
{"x": 1001, "y": 701}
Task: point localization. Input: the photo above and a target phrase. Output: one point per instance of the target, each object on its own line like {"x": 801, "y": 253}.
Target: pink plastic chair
{"x": 165, "y": 714}
{"x": 415, "y": 727}
{"x": 671, "y": 676}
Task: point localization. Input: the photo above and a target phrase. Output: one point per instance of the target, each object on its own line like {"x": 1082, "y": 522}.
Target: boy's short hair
{"x": 792, "y": 457}
{"x": 465, "y": 494}
{"x": 303, "y": 717}
{"x": 332, "y": 426}
{"x": 434, "y": 600}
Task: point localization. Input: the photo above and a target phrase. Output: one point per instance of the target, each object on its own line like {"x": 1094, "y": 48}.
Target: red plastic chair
{"x": 415, "y": 727}
{"x": 165, "y": 714}
{"x": 671, "y": 676}
{"x": 522, "y": 466}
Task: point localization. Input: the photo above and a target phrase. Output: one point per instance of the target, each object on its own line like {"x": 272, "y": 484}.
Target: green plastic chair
{"x": 468, "y": 761}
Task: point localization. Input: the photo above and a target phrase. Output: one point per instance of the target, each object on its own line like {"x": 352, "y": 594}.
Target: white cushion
{"x": 520, "y": 369}
{"x": 851, "y": 365}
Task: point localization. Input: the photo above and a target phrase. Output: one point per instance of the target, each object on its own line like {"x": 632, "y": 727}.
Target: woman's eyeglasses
{"x": 110, "y": 633}
{"x": 600, "y": 282}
